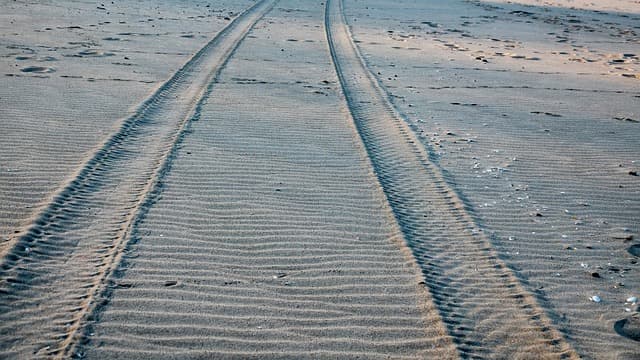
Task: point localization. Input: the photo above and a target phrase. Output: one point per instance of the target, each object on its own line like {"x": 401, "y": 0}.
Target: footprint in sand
{"x": 634, "y": 250}
{"x": 95, "y": 53}
{"x": 546, "y": 113}
{"x": 431, "y": 24}
{"x": 623, "y": 118}
{"x": 38, "y": 69}
{"x": 629, "y": 327}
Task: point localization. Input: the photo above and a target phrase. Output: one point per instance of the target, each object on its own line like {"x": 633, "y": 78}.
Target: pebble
{"x": 595, "y": 299}
{"x": 632, "y": 300}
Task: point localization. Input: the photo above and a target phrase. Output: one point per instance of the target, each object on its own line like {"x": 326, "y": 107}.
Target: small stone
{"x": 595, "y": 275}
{"x": 170, "y": 283}
{"x": 632, "y": 300}
{"x": 595, "y": 299}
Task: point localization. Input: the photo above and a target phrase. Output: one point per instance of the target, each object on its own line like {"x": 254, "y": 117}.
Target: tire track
{"x": 289, "y": 249}
{"x": 485, "y": 307}
{"x": 51, "y": 275}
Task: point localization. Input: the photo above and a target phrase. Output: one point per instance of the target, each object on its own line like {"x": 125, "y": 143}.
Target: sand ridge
{"x": 319, "y": 179}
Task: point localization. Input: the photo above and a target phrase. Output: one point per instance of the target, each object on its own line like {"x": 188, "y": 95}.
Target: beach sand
{"x": 319, "y": 179}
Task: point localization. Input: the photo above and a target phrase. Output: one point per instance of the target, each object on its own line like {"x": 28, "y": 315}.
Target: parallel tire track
{"x": 485, "y": 307}
{"x": 289, "y": 250}
{"x": 51, "y": 275}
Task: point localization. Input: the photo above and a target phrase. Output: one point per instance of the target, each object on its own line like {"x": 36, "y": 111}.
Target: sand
{"x": 540, "y": 150}
{"x": 99, "y": 66}
{"x": 349, "y": 179}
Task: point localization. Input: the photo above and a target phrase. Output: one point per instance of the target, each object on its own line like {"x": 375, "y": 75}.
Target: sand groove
{"x": 49, "y": 277}
{"x": 485, "y": 307}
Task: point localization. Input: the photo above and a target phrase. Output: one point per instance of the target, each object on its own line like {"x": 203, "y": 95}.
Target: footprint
{"x": 431, "y": 24}
{"x": 634, "y": 250}
{"x": 629, "y": 327}
{"x": 38, "y": 69}
{"x": 95, "y": 53}
{"x": 621, "y": 118}
{"x": 546, "y": 113}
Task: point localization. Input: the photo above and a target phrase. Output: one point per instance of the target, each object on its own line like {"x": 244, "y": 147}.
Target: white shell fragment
{"x": 632, "y": 300}
{"x": 595, "y": 298}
